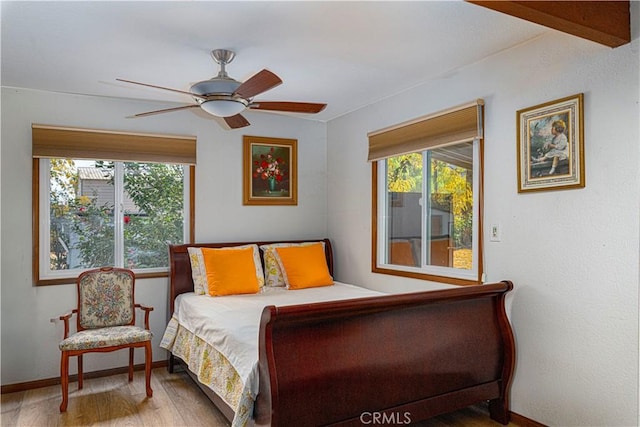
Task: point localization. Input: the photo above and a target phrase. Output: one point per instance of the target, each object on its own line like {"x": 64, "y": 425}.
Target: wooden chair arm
{"x": 65, "y": 318}
{"x": 147, "y": 310}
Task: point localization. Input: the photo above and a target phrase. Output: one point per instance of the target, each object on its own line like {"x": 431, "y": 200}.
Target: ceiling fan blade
{"x": 292, "y": 107}
{"x": 161, "y": 87}
{"x": 258, "y": 83}
{"x": 237, "y": 121}
{"x": 166, "y": 110}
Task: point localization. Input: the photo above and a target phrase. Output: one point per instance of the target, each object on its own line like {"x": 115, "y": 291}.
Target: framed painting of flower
{"x": 270, "y": 175}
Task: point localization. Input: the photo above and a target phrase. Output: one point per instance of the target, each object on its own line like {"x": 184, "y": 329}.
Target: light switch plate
{"x": 495, "y": 233}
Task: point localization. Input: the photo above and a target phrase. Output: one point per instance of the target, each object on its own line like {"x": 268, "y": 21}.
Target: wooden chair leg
{"x": 64, "y": 380}
{"x": 130, "y": 364}
{"x": 147, "y": 367}
{"x": 80, "y": 373}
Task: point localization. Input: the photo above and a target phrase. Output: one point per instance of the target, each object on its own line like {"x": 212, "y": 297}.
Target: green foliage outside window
{"x": 63, "y": 183}
{"x": 79, "y": 224}
{"x": 157, "y": 190}
{"x": 404, "y": 175}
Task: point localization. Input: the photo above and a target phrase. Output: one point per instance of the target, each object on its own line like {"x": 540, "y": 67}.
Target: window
{"x": 95, "y": 211}
{"x": 426, "y": 197}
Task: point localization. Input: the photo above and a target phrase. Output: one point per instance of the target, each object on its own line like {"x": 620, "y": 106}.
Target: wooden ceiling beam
{"x": 604, "y": 22}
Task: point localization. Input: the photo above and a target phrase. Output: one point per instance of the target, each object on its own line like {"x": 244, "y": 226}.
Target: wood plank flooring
{"x": 176, "y": 401}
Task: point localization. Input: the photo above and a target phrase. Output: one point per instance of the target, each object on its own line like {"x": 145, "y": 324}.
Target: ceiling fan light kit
{"x": 223, "y": 107}
{"x": 224, "y": 97}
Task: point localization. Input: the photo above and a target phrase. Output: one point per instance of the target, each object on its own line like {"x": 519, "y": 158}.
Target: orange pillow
{"x": 230, "y": 271}
{"x": 304, "y": 266}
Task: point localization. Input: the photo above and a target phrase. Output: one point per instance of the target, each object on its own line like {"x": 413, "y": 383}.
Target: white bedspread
{"x": 230, "y": 324}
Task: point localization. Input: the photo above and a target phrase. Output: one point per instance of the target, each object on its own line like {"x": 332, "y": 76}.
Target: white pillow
{"x": 198, "y": 272}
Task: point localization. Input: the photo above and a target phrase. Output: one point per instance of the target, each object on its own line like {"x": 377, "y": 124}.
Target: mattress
{"x": 217, "y": 337}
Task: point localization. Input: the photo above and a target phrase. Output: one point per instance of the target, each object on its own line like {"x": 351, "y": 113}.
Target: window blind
{"x": 458, "y": 124}
{"x": 76, "y": 143}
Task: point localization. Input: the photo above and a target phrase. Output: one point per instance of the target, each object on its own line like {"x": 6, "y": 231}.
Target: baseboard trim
{"x": 523, "y": 421}
{"x": 30, "y": 385}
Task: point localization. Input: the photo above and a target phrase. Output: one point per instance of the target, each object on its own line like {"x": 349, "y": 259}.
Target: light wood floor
{"x": 176, "y": 401}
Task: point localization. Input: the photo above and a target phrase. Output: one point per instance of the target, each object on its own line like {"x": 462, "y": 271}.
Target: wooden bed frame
{"x": 394, "y": 359}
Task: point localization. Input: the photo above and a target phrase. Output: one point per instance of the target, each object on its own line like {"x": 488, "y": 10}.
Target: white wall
{"x": 574, "y": 308}
{"x": 29, "y": 340}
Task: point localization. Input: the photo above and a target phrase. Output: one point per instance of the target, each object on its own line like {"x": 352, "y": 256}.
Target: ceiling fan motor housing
{"x": 215, "y": 86}
{"x": 217, "y": 96}
{"x": 221, "y": 85}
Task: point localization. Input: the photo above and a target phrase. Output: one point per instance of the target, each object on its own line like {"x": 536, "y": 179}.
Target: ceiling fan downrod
{"x": 223, "y": 57}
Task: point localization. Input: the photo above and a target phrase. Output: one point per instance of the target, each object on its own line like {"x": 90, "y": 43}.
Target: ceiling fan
{"x": 224, "y": 97}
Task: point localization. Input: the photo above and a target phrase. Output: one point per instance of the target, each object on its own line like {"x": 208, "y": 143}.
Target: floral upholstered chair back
{"x": 105, "y": 298}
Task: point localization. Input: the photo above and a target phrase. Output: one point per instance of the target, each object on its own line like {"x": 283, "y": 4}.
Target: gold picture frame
{"x": 270, "y": 171}
{"x": 551, "y": 145}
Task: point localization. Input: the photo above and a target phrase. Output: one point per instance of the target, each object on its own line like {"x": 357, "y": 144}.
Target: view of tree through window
{"x": 448, "y": 217}
{"x": 114, "y": 213}
{"x": 456, "y": 183}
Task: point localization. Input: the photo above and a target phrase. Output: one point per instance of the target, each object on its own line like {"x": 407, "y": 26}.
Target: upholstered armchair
{"x": 105, "y": 322}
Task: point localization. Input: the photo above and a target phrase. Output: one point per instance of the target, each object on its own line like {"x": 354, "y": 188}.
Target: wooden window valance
{"x": 76, "y": 143}
{"x": 459, "y": 124}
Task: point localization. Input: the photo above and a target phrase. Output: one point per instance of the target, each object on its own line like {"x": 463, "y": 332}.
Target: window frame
{"x": 40, "y": 181}
{"x": 48, "y": 144}
{"x": 456, "y": 125}
{"x": 426, "y": 272}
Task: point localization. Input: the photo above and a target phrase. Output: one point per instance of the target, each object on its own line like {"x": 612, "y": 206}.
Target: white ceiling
{"x": 345, "y": 54}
